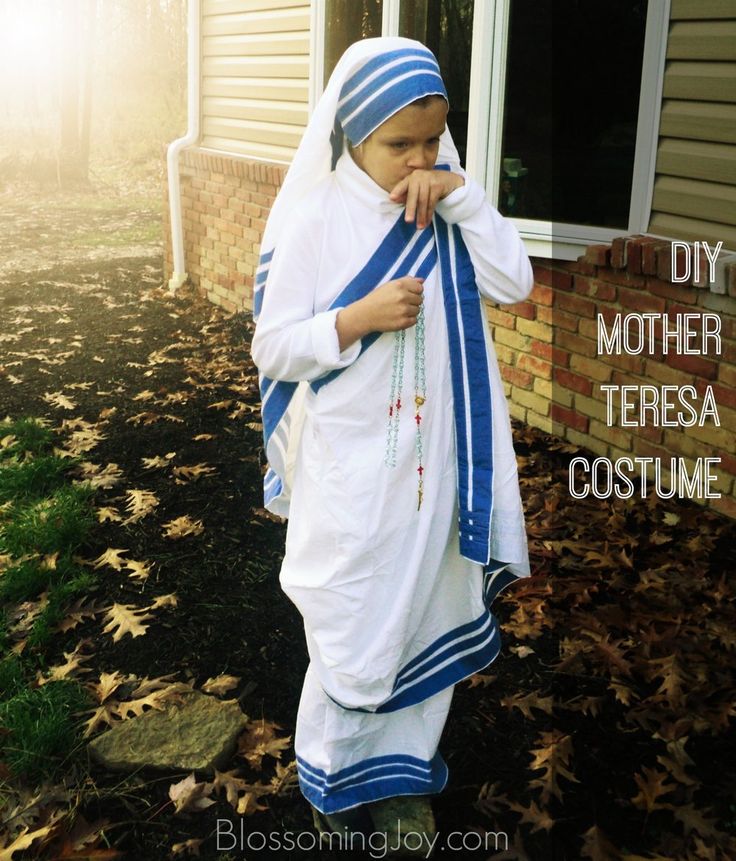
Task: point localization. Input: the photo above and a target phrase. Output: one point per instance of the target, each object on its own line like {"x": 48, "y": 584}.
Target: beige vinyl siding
{"x": 695, "y": 184}
{"x": 255, "y": 76}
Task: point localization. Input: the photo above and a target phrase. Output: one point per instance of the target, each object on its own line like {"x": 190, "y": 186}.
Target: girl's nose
{"x": 418, "y": 159}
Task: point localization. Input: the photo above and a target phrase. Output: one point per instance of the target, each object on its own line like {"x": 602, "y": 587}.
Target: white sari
{"x": 395, "y": 597}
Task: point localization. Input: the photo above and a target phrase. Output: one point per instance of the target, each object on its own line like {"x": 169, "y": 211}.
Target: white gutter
{"x": 192, "y": 135}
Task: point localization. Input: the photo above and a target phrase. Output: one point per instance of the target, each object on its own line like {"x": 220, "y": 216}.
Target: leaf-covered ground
{"x": 603, "y": 731}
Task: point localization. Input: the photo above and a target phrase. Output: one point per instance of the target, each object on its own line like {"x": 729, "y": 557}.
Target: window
{"x": 348, "y": 21}
{"x": 446, "y": 28}
{"x": 570, "y": 109}
{"x": 554, "y": 103}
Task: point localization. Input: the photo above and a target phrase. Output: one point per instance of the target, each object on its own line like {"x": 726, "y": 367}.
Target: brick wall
{"x": 548, "y": 353}
{"x": 225, "y": 202}
{"x": 546, "y": 346}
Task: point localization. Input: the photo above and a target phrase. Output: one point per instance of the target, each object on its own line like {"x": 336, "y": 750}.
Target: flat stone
{"x": 196, "y": 733}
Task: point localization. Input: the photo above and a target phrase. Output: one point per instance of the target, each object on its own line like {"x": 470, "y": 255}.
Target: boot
{"x": 408, "y": 823}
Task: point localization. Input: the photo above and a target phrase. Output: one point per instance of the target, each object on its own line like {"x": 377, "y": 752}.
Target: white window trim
{"x": 485, "y": 131}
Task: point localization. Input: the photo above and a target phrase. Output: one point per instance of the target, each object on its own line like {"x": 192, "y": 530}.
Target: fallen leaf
{"x": 192, "y": 473}
{"x": 140, "y": 503}
{"x": 180, "y": 527}
{"x": 157, "y": 462}
{"x": 220, "y": 684}
{"x": 126, "y": 619}
{"x": 111, "y": 557}
{"x": 106, "y": 514}
{"x": 652, "y": 785}
{"x": 189, "y": 795}
{"x": 259, "y": 739}
{"x": 23, "y": 841}
{"x": 59, "y": 400}
{"x": 164, "y": 601}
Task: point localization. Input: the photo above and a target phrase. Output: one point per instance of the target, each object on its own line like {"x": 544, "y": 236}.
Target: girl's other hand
{"x": 389, "y": 308}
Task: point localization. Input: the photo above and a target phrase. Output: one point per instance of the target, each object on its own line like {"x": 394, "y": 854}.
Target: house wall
{"x": 695, "y": 186}
{"x": 547, "y": 351}
{"x": 255, "y": 76}
{"x": 225, "y": 202}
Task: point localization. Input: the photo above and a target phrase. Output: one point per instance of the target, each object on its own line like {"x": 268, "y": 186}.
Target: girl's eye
{"x": 399, "y": 145}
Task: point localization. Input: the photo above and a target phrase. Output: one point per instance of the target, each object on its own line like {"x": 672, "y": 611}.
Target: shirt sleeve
{"x": 503, "y": 272}
{"x": 292, "y": 342}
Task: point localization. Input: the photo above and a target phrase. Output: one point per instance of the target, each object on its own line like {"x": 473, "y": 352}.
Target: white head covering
{"x": 313, "y": 159}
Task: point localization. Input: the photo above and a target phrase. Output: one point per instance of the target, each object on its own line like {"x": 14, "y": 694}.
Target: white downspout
{"x": 192, "y": 135}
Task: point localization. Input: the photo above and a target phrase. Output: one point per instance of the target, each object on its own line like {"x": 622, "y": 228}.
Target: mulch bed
{"x": 152, "y": 372}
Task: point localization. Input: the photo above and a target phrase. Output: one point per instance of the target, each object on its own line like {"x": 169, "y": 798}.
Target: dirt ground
{"x": 574, "y": 743}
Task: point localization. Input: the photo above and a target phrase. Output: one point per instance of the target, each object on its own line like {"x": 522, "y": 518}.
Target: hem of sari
{"x": 371, "y": 780}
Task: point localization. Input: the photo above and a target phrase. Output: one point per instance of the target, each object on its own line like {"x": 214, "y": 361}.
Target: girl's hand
{"x": 421, "y": 190}
{"x": 389, "y": 308}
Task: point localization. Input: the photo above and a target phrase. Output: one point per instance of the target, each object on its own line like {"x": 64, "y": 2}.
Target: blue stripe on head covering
{"x": 385, "y": 85}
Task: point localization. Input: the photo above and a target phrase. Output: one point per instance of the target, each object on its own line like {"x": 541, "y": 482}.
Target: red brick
{"x": 516, "y": 377}
{"x": 569, "y": 417}
{"x": 646, "y": 449}
{"x": 598, "y": 255}
{"x": 623, "y": 278}
{"x": 649, "y": 251}
{"x": 697, "y": 365}
{"x": 725, "y": 396}
{"x": 633, "y": 255}
{"x": 581, "y": 267}
{"x": 594, "y": 287}
{"x": 652, "y": 434}
{"x": 561, "y": 280}
{"x": 538, "y": 367}
{"x": 642, "y": 302}
{"x": 553, "y": 354}
{"x": 564, "y": 320}
{"x": 542, "y": 274}
{"x": 573, "y": 381}
{"x": 664, "y": 263}
{"x": 619, "y": 255}
{"x": 542, "y": 295}
{"x": 524, "y": 309}
{"x": 688, "y": 295}
{"x": 577, "y": 305}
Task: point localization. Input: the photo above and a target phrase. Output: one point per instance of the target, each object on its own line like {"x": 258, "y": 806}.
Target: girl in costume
{"x": 386, "y": 426}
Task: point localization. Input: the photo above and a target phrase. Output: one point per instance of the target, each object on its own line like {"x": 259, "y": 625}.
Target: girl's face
{"x": 407, "y": 141}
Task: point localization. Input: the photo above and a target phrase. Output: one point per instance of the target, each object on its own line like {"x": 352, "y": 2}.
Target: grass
{"x": 24, "y": 435}
{"x": 44, "y": 520}
{"x": 30, "y": 478}
{"x": 41, "y": 727}
{"x": 58, "y": 523}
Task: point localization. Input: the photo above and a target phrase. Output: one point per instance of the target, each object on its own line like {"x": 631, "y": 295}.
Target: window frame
{"x": 485, "y": 132}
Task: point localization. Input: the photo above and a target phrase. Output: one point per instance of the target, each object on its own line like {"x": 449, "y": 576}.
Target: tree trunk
{"x": 85, "y": 131}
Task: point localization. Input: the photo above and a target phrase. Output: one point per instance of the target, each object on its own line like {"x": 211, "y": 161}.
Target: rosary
{"x": 420, "y": 396}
